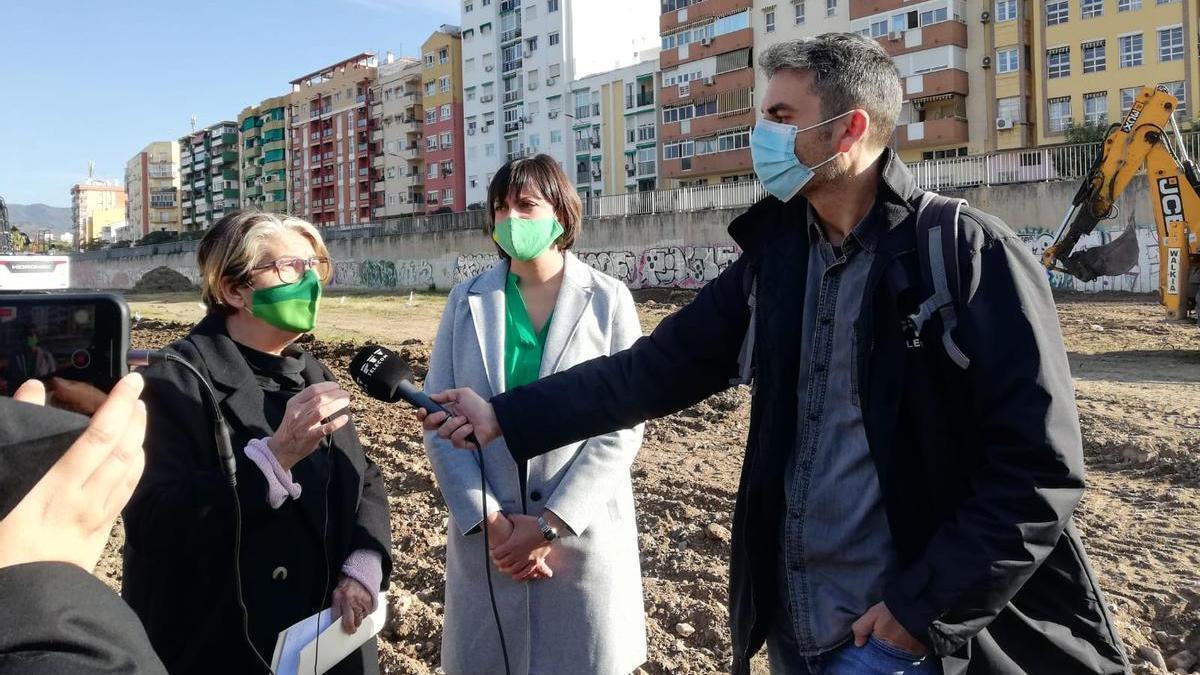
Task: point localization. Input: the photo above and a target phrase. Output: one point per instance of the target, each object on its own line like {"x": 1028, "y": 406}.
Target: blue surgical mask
{"x": 773, "y": 149}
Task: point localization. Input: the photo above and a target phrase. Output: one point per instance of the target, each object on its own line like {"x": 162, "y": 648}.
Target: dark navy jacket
{"x": 980, "y": 469}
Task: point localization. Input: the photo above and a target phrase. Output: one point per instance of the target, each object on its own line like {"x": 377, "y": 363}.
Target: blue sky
{"x": 99, "y": 81}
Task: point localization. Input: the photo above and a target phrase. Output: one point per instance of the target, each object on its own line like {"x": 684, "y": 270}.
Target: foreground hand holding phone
{"x": 69, "y": 514}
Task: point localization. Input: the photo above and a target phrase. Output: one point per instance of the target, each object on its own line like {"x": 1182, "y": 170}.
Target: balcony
{"x": 510, "y": 35}
{"x": 362, "y": 148}
{"x": 937, "y": 83}
{"x": 510, "y": 66}
{"x": 742, "y": 78}
{"x": 377, "y": 161}
{"x": 695, "y": 51}
{"x": 377, "y": 110}
{"x": 380, "y": 186}
{"x": 932, "y": 133}
{"x": 513, "y": 96}
{"x": 185, "y": 160}
{"x": 719, "y": 162}
{"x": 252, "y": 152}
{"x": 704, "y": 10}
{"x": 328, "y": 180}
{"x": 509, "y": 5}
{"x": 377, "y": 135}
{"x": 411, "y": 153}
{"x": 940, "y": 34}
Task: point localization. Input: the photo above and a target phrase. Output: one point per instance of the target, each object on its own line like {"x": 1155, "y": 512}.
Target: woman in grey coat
{"x": 562, "y": 531}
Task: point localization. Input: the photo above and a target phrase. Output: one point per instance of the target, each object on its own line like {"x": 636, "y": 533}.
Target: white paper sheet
{"x": 317, "y": 643}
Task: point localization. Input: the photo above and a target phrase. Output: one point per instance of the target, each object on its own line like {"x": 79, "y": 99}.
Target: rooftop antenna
{"x": 193, "y": 124}
{"x": 91, "y": 169}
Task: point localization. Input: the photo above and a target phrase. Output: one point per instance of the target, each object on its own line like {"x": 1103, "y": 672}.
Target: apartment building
{"x": 615, "y": 130}
{"x": 706, "y": 92}
{"x": 444, "y": 141}
{"x": 328, "y": 115}
{"x": 208, "y": 175}
{"x": 519, "y": 61}
{"x": 152, "y": 190}
{"x": 398, "y": 108}
{"x": 263, "y": 142}
{"x": 102, "y": 198}
{"x": 776, "y": 21}
{"x": 1091, "y": 57}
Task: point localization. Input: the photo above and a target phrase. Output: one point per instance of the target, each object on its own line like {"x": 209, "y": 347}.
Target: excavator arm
{"x": 1147, "y": 135}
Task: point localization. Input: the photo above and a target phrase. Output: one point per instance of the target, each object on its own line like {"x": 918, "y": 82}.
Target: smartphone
{"x": 69, "y": 339}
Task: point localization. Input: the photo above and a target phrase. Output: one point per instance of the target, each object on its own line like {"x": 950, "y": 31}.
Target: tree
{"x": 1088, "y": 132}
{"x": 157, "y": 237}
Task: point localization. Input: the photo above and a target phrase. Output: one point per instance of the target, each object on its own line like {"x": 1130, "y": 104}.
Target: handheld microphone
{"x": 383, "y": 374}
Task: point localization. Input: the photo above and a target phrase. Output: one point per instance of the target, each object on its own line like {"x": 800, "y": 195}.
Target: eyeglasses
{"x": 289, "y": 270}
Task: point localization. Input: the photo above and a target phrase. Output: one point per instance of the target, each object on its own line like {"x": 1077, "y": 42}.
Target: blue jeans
{"x": 874, "y": 658}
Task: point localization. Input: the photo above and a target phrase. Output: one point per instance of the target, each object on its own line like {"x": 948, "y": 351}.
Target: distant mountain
{"x": 39, "y": 216}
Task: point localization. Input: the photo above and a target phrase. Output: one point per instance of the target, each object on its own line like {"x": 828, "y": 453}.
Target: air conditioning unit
{"x": 487, "y": 98}
{"x": 896, "y": 35}
{"x": 528, "y": 54}
{"x": 986, "y": 62}
{"x": 595, "y": 142}
{"x": 470, "y": 132}
{"x": 985, "y": 16}
{"x": 489, "y": 67}
{"x": 1002, "y": 123}
{"x": 709, "y": 80}
{"x": 533, "y": 85}
{"x": 527, "y": 119}
{"x": 550, "y": 81}
{"x": 596, "y": 175}
{"x": 553, "y": 114}
{"x": 706, "y": 41}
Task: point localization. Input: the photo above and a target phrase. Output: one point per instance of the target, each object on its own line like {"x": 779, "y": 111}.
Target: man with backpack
{"x": 914, "y": 452}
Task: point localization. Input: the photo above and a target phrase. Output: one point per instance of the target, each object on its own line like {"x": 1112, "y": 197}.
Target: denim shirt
{"x": 837, "y": 545}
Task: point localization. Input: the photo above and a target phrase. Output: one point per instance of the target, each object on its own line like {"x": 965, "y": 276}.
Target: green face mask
{"x": 525, "y": 239}
{"x": 291, "y": 307}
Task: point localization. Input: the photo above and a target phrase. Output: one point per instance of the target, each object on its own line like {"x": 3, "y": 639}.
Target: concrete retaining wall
{"x": 679, "y": 250}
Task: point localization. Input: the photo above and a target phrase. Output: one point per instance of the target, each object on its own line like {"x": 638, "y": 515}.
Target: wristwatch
{"x": 549, "y": 533}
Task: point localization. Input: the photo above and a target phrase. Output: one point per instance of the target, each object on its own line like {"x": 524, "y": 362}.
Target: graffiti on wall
{"x": 383, "y": 274}
{"x": 468, "y": 266}
{"x": 1142, "y": 278}
{"x": 111, "y": 275}
{"x": 664, "y": 267}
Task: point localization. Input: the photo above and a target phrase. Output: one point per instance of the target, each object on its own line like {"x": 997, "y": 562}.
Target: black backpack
{"x": 937, "y": 229}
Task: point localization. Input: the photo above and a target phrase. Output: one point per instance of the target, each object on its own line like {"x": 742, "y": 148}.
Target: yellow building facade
{"x": 1091, "y": 58}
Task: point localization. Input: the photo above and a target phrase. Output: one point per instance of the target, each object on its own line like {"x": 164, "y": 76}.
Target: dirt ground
{"x": 1138, "y": 384}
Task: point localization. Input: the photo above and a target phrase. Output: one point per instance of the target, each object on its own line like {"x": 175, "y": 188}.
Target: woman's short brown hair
{"x": 234, "y": 245}
{"x": 543, "y": 175}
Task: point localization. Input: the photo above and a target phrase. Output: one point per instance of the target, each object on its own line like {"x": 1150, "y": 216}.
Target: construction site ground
{"x": 1137, "y": 378}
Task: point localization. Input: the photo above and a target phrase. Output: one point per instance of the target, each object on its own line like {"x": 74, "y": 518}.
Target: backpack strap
{"x": 937, "y": 247}
{"x": 746, "y": 353}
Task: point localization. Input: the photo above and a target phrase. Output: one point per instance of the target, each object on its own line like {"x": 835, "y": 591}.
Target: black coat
{"x": 56, "y": 619}
{"x": 179, "y": 556}
{"x": 980, "y": 470}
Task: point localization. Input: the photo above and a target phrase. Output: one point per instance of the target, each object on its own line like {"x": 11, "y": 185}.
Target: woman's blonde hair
{"x": 235, "y": 244}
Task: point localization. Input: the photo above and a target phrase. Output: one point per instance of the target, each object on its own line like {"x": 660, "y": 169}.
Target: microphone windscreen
{"x": 379, "y": 371}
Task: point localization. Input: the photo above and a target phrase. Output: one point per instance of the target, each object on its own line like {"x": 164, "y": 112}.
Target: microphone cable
{"x": 228, "y": 466}
{"x": 487, "y": 562}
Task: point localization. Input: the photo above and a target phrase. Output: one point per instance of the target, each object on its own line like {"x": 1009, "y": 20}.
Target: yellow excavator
{"x": 1147, "y": 135}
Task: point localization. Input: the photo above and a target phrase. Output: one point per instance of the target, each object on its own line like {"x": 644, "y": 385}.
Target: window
{"x": 447, "y": 168}
{"x": 531, "y": 44}
{"x": 530, "y": 13}
{"x": 830, "y": 7}
{"x": 1170, "y": 43}
{"x": 934, "y": 16}
{"x": 1006, "y": 10}
{"x": 445, "y": 83}
{"x": 468, "y": 7}
{"x": 553, "y": 39}
{"x": 1177, "y": 90}
{"x": 1057, "y": 11}
{"x": 1008, "y": 60}
{"x": 1094, "y": 60}
{"x": 430, "y": 88}
{"x": 1128, "y": 5}
{"x": 469, "y": 65}
{"x": 429, "y": 60}
{"x": 469, "y": 94}
{"x": 769, "y": 14}
{"x": 1130, "y": 50}
{"x": 446, "y": 110}
{"x": 1095, "y": 107}
{"x": 431, "y": 142}
{"x": 798, "y": 8}
{"x": 431, "y": 116}
{"x": 1166, "y": 2}
{"x": 431, "y": 197}
{"x": 1059, "y": 110}
{"x": 1009, "y": 109}
{"x": 1058, "y": 62}
{"x": 447, "y": 140}
{"x": 1092, "y": 8}
{"x": 444, "y": 55}
{"x": 448, "y": 196}
{"x": 878, "y": 28}
{"x": 733, "y": 141}
{"x": 534, "y": 140}
{"x": 551, "y": 5}
{"x": 1127, "y": 97}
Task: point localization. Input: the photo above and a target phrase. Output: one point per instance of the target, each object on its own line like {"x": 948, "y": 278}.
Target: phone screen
{"x": 62, "y": 340}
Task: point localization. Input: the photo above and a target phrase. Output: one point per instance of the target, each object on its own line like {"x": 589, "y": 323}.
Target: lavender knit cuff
{"x": 280, "y": 485}
{"x": 366, "y": 567}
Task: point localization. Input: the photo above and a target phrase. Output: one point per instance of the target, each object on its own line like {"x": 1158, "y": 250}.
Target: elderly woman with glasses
{"x": 216, "y": 572}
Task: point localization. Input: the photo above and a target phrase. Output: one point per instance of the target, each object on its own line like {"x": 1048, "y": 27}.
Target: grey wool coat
{"x": 589, "y": 617}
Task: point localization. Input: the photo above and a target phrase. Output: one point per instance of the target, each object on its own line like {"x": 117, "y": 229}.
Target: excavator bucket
{"x": 1106, "y": 260}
